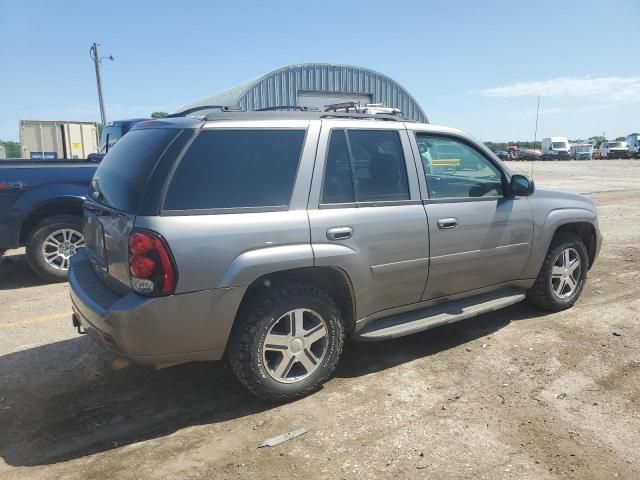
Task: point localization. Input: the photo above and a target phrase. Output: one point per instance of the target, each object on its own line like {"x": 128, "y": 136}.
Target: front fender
{"x": 554, "y": 220}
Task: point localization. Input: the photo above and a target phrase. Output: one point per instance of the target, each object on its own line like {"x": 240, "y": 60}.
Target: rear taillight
{"x": 150, "y": 264}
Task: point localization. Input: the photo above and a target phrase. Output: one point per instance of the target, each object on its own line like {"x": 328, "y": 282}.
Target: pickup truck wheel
{"x": 563, "y": 274}
{"x": 286, "y": 342}
{"x": 52, "y": 243}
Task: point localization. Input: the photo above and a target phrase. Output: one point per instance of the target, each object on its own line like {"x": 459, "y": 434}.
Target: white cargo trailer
{"x": 51, "y": 140}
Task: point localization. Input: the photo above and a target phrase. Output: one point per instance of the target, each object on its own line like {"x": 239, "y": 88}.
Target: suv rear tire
{"x": 563, "y": 274}
{"x": 50, "y": 245}
{"x": 286, "y": 342}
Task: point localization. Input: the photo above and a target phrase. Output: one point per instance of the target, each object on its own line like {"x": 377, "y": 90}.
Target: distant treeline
{"x": 11, "y": 149}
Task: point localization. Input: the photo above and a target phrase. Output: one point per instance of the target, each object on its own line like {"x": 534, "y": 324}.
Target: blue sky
{"x": 475, "y": 65}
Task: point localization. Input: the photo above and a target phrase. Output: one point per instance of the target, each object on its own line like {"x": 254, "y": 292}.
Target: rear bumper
{"x": 153, "y": 331}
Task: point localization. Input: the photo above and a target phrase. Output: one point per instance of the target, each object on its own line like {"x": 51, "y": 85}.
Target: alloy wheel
{"x": 295, "y": 345}
{"x": 566, "y": 272}
{"x": 59, "y": 247}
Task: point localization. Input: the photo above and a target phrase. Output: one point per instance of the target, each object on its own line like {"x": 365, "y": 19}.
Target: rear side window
{"x": 236, "y": 169}
{"x": 120, "y": 179}
{"x": 369, "y": 162}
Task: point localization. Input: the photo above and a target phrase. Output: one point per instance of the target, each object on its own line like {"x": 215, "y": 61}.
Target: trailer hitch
{"x": 76, "y": 323}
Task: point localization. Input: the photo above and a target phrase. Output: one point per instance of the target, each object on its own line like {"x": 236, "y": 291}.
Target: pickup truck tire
{"x": 558, "y": 285}
{"x": 270, "y": 347}
{"x": 57, "y": 225}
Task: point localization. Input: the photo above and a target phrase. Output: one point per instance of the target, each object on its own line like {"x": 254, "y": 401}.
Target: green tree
{"x": 159, "y": 115}
{"x": 11, "y": 149}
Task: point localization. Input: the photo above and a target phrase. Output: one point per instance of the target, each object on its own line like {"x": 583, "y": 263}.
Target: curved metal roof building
{"x": 317, "y": 85}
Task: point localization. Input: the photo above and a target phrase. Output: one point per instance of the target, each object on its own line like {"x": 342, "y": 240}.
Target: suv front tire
{"x": 563, "y": 274}
{"x": 286, "y": 342}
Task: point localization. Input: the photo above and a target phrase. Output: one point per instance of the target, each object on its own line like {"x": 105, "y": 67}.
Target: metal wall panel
{"x": 281, "y": 87}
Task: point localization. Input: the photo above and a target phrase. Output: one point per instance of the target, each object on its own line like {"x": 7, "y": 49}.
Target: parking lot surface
{"x": 518, "y": 393}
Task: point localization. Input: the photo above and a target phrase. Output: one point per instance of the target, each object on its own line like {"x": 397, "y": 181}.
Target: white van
{"x": 555, "y": 148}
{"x": 633, "y": 141}
{"x": 615, "y": 149}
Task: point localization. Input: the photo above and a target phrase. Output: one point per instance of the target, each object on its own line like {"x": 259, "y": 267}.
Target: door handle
{"x": 339, "y": 233}
{"x": 447, "y": 223}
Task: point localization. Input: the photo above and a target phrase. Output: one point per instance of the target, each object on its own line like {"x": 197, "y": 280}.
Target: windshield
{"x": 583, "y": 148}
{"x": 110, "y": 135}
{"x": 616, "y": 145}
{"x": 557, "y": 145}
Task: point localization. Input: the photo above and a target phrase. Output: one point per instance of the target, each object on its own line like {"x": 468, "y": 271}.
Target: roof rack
{"x": 346, "y": 105}
{"x": 222, "y": 108}
{"x": 290, "y": 108}
{"x": 300, "y": 115}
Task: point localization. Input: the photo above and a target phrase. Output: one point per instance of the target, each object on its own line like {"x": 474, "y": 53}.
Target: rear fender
{"x": 253, "y": 264}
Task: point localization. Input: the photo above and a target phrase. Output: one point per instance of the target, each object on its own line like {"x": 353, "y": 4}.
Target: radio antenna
{"x": 535, "y": 134}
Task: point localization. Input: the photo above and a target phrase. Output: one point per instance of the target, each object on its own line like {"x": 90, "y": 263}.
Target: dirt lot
{"x": 514, "y": 394}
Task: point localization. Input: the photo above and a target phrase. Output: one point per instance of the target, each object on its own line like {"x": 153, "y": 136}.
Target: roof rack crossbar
{"x": 222, "y": 108}
{"x": 288, "y": 108}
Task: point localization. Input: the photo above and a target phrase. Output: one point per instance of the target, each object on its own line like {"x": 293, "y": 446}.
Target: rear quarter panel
{"x": 42, "y": 185}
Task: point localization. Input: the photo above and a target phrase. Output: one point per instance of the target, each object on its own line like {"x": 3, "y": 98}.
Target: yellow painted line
{"x": 29, "y": 321}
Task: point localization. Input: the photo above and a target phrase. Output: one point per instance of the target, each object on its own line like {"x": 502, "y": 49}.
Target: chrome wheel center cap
{"x": 296, "y": 346}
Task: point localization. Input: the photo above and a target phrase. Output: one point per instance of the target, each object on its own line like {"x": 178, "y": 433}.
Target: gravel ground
{"x": 514, "y": 394}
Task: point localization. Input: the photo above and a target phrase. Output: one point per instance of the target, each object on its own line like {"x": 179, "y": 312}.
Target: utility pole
{"x": 93, "y": 53}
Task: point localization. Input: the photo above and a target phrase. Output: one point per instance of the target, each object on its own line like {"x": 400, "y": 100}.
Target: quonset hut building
{"x": 317, "y": 85}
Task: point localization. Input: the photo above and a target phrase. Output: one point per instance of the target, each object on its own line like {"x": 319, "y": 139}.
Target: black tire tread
{"x": 537, "y": 295}
{"x": 246, "y": 328}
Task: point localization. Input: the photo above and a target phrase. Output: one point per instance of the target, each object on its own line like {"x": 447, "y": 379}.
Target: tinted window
{"x": 369, "y": 160}
{"x": 236, "y": 168}
{"x": 338, "y": 185}
{"x": 454, "y": 169}
{"x": 120, "y": 179}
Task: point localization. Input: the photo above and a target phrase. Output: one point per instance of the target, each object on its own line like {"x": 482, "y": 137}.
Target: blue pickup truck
{"x": 41, "y": 205}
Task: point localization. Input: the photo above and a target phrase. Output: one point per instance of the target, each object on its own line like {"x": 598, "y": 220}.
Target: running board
{"x": 434, "y": 316}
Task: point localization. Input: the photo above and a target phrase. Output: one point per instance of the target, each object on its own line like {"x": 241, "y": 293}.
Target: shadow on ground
{"x": 16, "y": 273}
{"x": 64, "y": 401}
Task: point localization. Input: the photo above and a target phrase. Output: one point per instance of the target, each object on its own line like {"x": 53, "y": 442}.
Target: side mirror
{"x": 95, "y": 157}
{"x": 521, "y": 185}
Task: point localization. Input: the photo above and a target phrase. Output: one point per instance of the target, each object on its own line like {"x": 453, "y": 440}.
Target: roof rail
{"x": 288, "y": 108}
{"x": 222, "y": 108}
{"x": 300, "y": 115}
{"x": 370, "y": 116}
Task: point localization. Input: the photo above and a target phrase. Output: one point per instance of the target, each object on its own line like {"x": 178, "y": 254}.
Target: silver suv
{"x": 271, "y": 236}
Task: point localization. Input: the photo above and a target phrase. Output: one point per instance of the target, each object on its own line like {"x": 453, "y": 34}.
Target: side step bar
{"x": 434, "y": 316}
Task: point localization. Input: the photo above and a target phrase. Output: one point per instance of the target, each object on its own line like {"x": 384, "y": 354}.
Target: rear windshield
{"x": 120, "y": 179}
{"x": 109, "y": 137}
{"x": 236, "y": 169}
